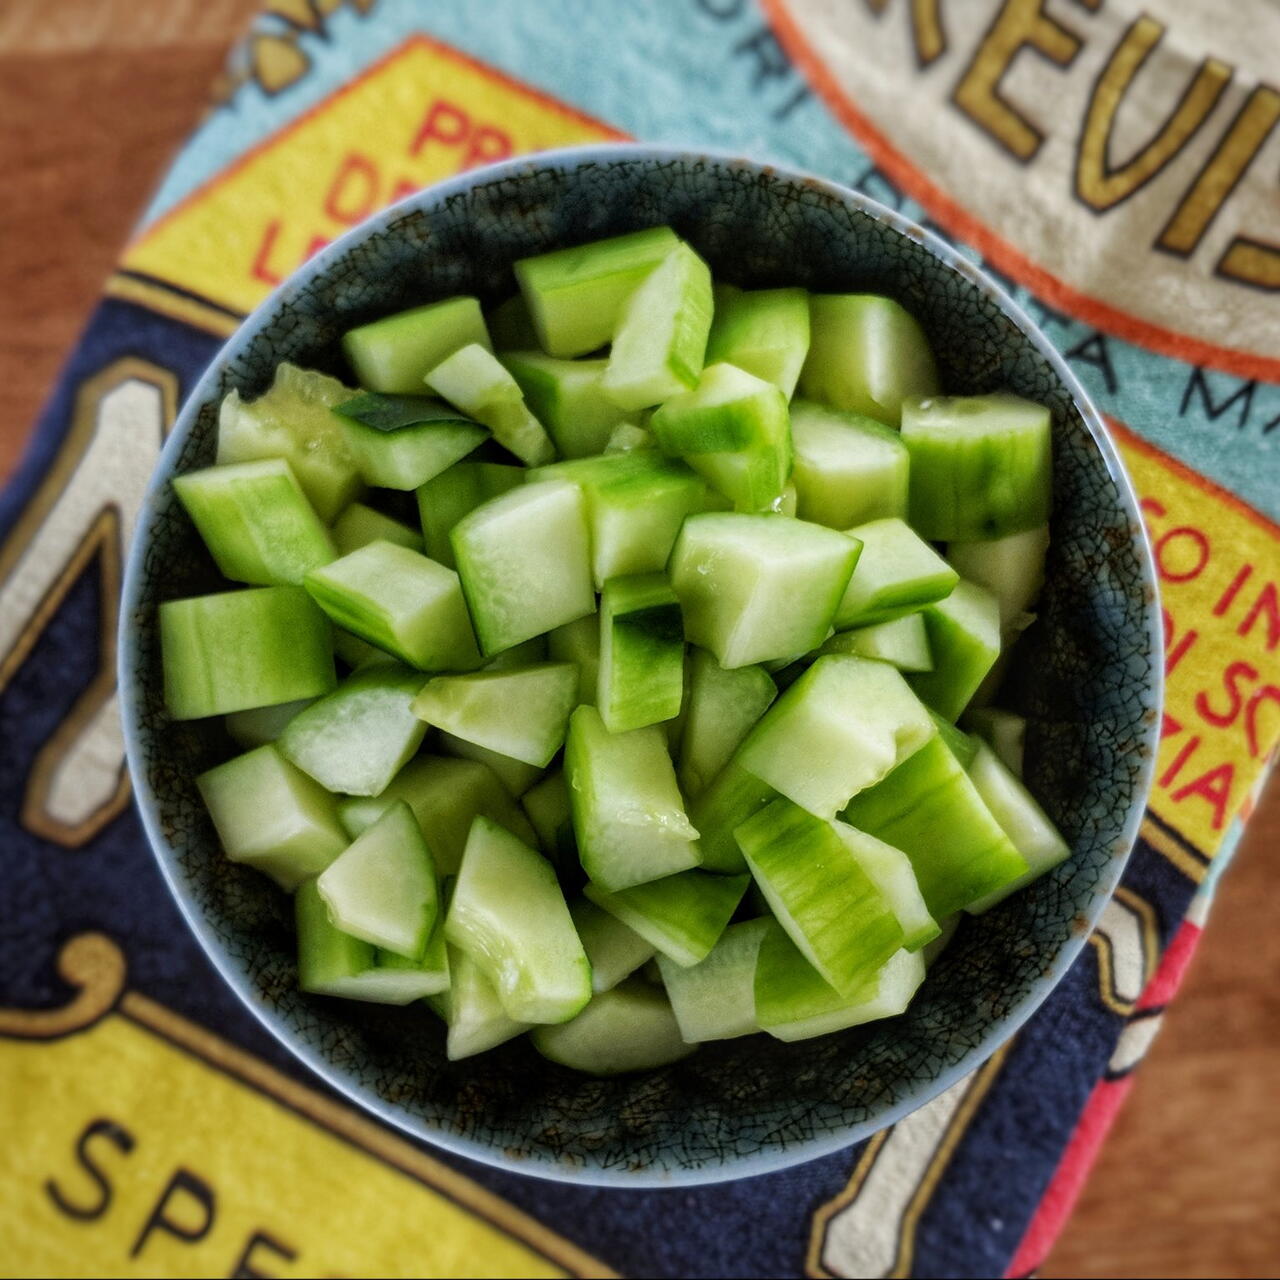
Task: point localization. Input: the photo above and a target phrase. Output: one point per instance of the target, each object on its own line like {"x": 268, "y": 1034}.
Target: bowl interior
{"x": 1085, "y": 677}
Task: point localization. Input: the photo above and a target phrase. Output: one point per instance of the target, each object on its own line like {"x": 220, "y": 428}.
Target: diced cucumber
{"x": 357, "y": 653}
{"x": 256, "y": 521}
{"x": 681, "y": 915}
{"x": 445, "y": 795}
{"x": 734, "y": 429}
{"x": 867, "y": 354}
{"x": 1011, "y": 568}
{"x": 964, "y": 639}
{"x": 509, "y": 915}
{"x": 725, "y": 805}
{"x": 961, "y": 745}
{"x": 359, "y": 525}
{"x": 904, "y": 642}
{"x": 661, "y": 334}
{"x": 628, "y": 814}
{"x": 241, "y": 649}
{"x": 525, "y": 654}
{"x": 579, "y": 642}
{"x": 614, "y": 949}
{"x": 849, "y": 469}
{"x": 723, "y": 706}
{"x": 890, "y": 870}
{"x": 270, "y": 815}
{"x": 794, "y": 1003}
{"x": 820, "y": 893}
{"x": 524, "y": 560}
{"x": 442, "y": 502}
{"x": 511, "y": 327}
{"x": 898, "y": 573}
{"x": 929, "y": 808}
{"x": 575, "y": 296}
{"x": 1022, "y": 820}
{"x": 757, "y": 587}
{"x": 635, "y": 505}
{"x": 627, "y": 436}
{"x": 844, "y": 725}
{"x": 764, "y": 331}
{"x": 547, "y": 805}
{"x": 981, "y": 466}
{"x": 357, "y": 738}
{"x": 394, "y": 354}
{"x": 260, "y": 725}
{"x": 1003, "y": 731}
{"x": 401, "y": 442}
{"x": 522, "y": 712}
{"x": 515, "y": 775}
{"x": 382, "y": 887}
{"x": 402, "y": 602}
{"x": 641, "y": 676}
{"x": 566, "y": 397}
{"x": 715, "y": 998}
{"x": 474, "y": 381}
{"x": 471, "y": 1007}
{"x": 294, "y": 420}
{"x": 630, "y": 1028}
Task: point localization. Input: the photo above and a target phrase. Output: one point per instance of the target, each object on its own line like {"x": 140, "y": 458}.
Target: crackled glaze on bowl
{"x": 1086, "y": 676}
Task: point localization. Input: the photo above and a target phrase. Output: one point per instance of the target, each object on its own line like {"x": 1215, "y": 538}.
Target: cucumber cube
{"x": 357, "y": 738}
{"x": 723, "y": 706}
{"x": 471, "y": 1007}
{"x": 635, "y": 505}
{"x": 757, "y": 587}
{"x": 1003, "y": 731}
{"x": 575, "y": 296}
{"x": 445, "y": 796}
{"x": 898, "y": 573}
{"x": 929, "y": 808}
{"x": 579, "y": 642}
{"x": 844, "y": 725}
{"x": 359, "y": 525}
{"x": 820, "y": 893}
{"x": 715, "y": 998}
{"x": 511, "y": 327}
{"x": 547, "y": 805}
{"x": 241, "y": 649}
{"x": 382, "y": 888}
{"x": 271, "y": 816}
{"x": 681, "y": 915}
{"x": 627, "y": 436}
{"x": 848, "y": 468}
{"x": 567, "y": 398}
{"x": 890, "y": 870}
{"x": 723, "y": 807}
{"x": 661, "y": 335}
{"x": 394, "y": 354}
{"x": 630, "y": 1028}
{"x": 641, "y": 675}
{"x": 474, "y": 381}
{"x": 515, "y": 775}
{"x": 509, "y": 915}
{"x": 628, "y": 814}
{"x": 964, "y": 639}
{"x": 524, "y": 560}
{"x": 981, "y": 466}
{"x": 294, "y": 420}
{"x": 442, "y": 502}
{"x": 1011, "y": 568}
{"x": 866, "y": 354}
{"x": 794, "y": 1003}
{"x": 963, "y": 746}
{"x": 521, "y": 712}
{"x": 400, "y": 601}
{"x": 904, "y": 642}
{"x": 615, "y": 950}
{"x": 256, "y": 521}
{"x": 401, "y": 442}
{"x": 260, "y": 725}
{"x": 1022, "y": 820}
{"x": 764, "y": 331}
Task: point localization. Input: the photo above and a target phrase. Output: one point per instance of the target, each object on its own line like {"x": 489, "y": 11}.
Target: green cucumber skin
{"x": 723, "y": 707}
{"x": 733, "y": 796}
{"x": 764, "y": 331}
{"x": 964, "y": 639}
{"x": 715, "y": 998}
{"x": 898, "y": 573}
{"x": 641, "y": 673}
{"x": 394, "y": 354}
{"x": 565, "y": 396}
{"x": 409, "y": 457}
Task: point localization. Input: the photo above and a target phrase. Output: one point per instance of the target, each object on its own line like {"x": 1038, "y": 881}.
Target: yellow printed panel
{"x": 126, "y": 1154}
{"x": 1217, "y": 562}
{"x": 425, "y": 112}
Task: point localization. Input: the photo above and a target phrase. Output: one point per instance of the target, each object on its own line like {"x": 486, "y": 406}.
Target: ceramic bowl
{"x": 1087, "y": 677}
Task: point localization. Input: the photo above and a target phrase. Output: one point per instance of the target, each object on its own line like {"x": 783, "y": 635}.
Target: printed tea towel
{"x": 1114, "y": 163}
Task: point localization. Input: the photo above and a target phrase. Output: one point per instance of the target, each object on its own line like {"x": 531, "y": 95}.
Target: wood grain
{"x": 96, "y": 95}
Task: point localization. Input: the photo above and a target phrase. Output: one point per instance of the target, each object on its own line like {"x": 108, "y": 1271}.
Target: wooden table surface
{"x": 95, "y": 95}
